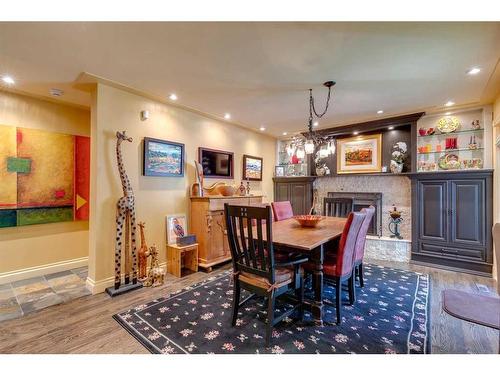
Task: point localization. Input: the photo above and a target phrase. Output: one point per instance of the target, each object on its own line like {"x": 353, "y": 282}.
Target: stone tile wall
{"x": 395, "y": 190}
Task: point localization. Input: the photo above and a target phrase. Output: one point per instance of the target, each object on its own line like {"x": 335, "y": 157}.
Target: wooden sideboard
{"x": 209, "y": 226}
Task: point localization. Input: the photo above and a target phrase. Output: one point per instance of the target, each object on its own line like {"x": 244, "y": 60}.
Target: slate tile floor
{"x": 23, "y": 297}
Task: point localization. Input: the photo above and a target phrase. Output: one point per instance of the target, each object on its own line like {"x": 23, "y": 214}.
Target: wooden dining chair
{"x": 361, "y": 243}
{"x": 254, "y": 265}
{"x": 338, "y": 207}
{"x": 282, "y": 210}
{"x": 341, "y": 268}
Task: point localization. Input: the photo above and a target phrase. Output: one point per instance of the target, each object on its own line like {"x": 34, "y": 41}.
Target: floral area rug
{"x": 391, "y": 315}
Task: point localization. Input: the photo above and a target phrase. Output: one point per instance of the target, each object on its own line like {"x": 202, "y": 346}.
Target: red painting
{"x": 82, "y": 177}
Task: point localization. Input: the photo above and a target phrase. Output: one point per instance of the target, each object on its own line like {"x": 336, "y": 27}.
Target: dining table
{"x": 289, "y": 235}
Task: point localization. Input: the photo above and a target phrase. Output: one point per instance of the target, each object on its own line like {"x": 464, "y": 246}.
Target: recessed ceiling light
{"x": 227, "y": 116}
{"x": 449, "y": 103}
{"x": 380, "y": 111}
{"x": 447, "y": 113}
{"x": 355, "y": 133}
{"x": 473, "y": 71}
{"x": 8, "y": 80}
{"x": 315, "y": 123}
{"x": 391, "y": 128}
{"x": 285, "y": 133}
{"x": 172, "y": 97}
{"x": 262, "y": 128}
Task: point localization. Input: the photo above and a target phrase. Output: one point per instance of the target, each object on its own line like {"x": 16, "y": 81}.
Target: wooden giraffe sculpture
{"x": 143, "y": 258}
{"x": 125, "y": 213}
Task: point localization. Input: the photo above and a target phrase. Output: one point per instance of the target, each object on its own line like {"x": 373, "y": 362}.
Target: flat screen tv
{"x": 216, "y": 163}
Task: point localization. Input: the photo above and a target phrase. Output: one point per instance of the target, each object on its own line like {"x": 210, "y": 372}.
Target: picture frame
{"x": 360, "y": 154}
{"x": 216, "y": 163}
{"x": 252, "y": 168}
{"x": 163, "y": 158}
{"x": 175, "y": 225}
{"x": 279, "y": 171}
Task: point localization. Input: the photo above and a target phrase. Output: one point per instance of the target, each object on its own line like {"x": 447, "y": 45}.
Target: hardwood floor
{"x": 86, "y": 326}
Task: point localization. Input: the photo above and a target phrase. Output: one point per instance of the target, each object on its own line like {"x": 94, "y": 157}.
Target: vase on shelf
{"x": 396, "y": 167}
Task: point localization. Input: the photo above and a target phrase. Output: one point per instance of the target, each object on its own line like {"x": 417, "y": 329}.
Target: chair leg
{"x": 236, "y": 301}
{"x": 360, "y": 272}
{"x": 270, "y": 318}
{"x": 299, "y": 293}
{"x": 352, "y": 288}
{"x": 338, "y": 302}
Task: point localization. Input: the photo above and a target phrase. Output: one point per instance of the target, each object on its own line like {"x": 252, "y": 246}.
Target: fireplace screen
{"x": 362, "y": 200}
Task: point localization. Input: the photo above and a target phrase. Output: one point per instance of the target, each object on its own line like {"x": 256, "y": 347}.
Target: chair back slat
{"x": 260, "y": 245}
{"x": 249, "y": 253}
{"x": 243, "y": 241}
{"x": 251, "y": 244}
{"x": 347, "y": 244}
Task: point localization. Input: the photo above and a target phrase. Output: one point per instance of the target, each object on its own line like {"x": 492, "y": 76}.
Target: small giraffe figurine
{"x": 125, "y": 213}
{"x": 156, "y": 274}
{"x": 143, "y": 258}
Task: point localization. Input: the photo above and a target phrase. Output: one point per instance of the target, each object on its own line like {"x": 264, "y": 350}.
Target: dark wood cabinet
{"x": 432, "y": 203}
{"x": 452, "y": 216}
{"x": 297, "y": 190}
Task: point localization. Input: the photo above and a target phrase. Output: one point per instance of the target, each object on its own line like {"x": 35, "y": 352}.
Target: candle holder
{"x": 395, "y": 223}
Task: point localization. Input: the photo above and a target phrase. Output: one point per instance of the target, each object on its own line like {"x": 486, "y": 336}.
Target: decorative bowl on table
{"x": 308, "y": 220}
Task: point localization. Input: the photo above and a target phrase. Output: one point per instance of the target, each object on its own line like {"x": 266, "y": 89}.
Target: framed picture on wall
{"x": 279, "y": 171}
{"x": 252, "y": 168}
{"x": 176, "y": 227}
{"x": 361, "y": 154}
{"x": 216, "y": 163}
{"x": 163, "y": 158}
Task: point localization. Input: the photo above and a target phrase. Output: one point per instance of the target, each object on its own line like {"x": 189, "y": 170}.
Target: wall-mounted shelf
{"x": 452, "y": 133}
{"x": 450, "y": 151}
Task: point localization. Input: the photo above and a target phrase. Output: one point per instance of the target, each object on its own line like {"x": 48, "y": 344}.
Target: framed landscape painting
{"x": 252, "y": 168}
{"x": 163, "y": 158}
{"x": 362, "y": 154}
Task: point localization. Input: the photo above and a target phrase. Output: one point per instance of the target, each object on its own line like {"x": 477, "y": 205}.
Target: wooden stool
{"x": 182, "y": 256}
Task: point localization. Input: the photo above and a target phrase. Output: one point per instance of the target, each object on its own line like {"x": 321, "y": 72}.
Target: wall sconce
{"x": 144, "y": 115}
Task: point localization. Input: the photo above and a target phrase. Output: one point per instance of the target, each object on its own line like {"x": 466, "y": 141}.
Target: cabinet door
{"x": 282, "y": 192}
{"x": 432, "y": 201}
{"x": 215, "y": 228}
{"x": 467, "y": 212}
{"x": 300, "y": 197}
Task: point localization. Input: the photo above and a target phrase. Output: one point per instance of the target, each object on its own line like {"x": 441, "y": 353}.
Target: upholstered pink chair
{"x": 282, "y": 210}
{"x": 361, "y": 242}
{"x": 341, "y": 268}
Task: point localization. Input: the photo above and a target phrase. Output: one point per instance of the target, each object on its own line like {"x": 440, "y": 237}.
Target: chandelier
{"x": 313, "y": 139}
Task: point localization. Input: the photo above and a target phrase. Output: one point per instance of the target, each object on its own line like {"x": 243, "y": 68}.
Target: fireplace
{"x": 362, "y": 200}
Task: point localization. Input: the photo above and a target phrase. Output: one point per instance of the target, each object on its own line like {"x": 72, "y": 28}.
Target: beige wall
{"x": 28, "y": 250}
{"x": 496, "y": 166}
{"x": 156, "y": 197}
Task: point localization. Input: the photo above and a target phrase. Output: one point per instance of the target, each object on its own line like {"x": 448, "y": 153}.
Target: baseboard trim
{"x": 100, "y": 286}
{"x": 27, "y": 273}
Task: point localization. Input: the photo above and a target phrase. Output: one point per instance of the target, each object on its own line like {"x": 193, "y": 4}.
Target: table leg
{"x": 317, "y": 306}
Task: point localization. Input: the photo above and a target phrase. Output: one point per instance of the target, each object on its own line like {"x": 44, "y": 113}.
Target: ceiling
{"x": 261, "y": 72}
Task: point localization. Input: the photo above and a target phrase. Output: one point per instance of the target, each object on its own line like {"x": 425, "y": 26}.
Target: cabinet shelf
{"x": 452, "y": 133}
{"x": 451, "y": 151}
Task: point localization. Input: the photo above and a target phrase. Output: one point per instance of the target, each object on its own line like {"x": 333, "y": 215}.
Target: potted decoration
{"x": 399, "y": 155}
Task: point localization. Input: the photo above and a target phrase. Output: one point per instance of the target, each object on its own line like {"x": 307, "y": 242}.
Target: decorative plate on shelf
{"x": 448, "y": 124}
{"x": 449, "y": 161}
